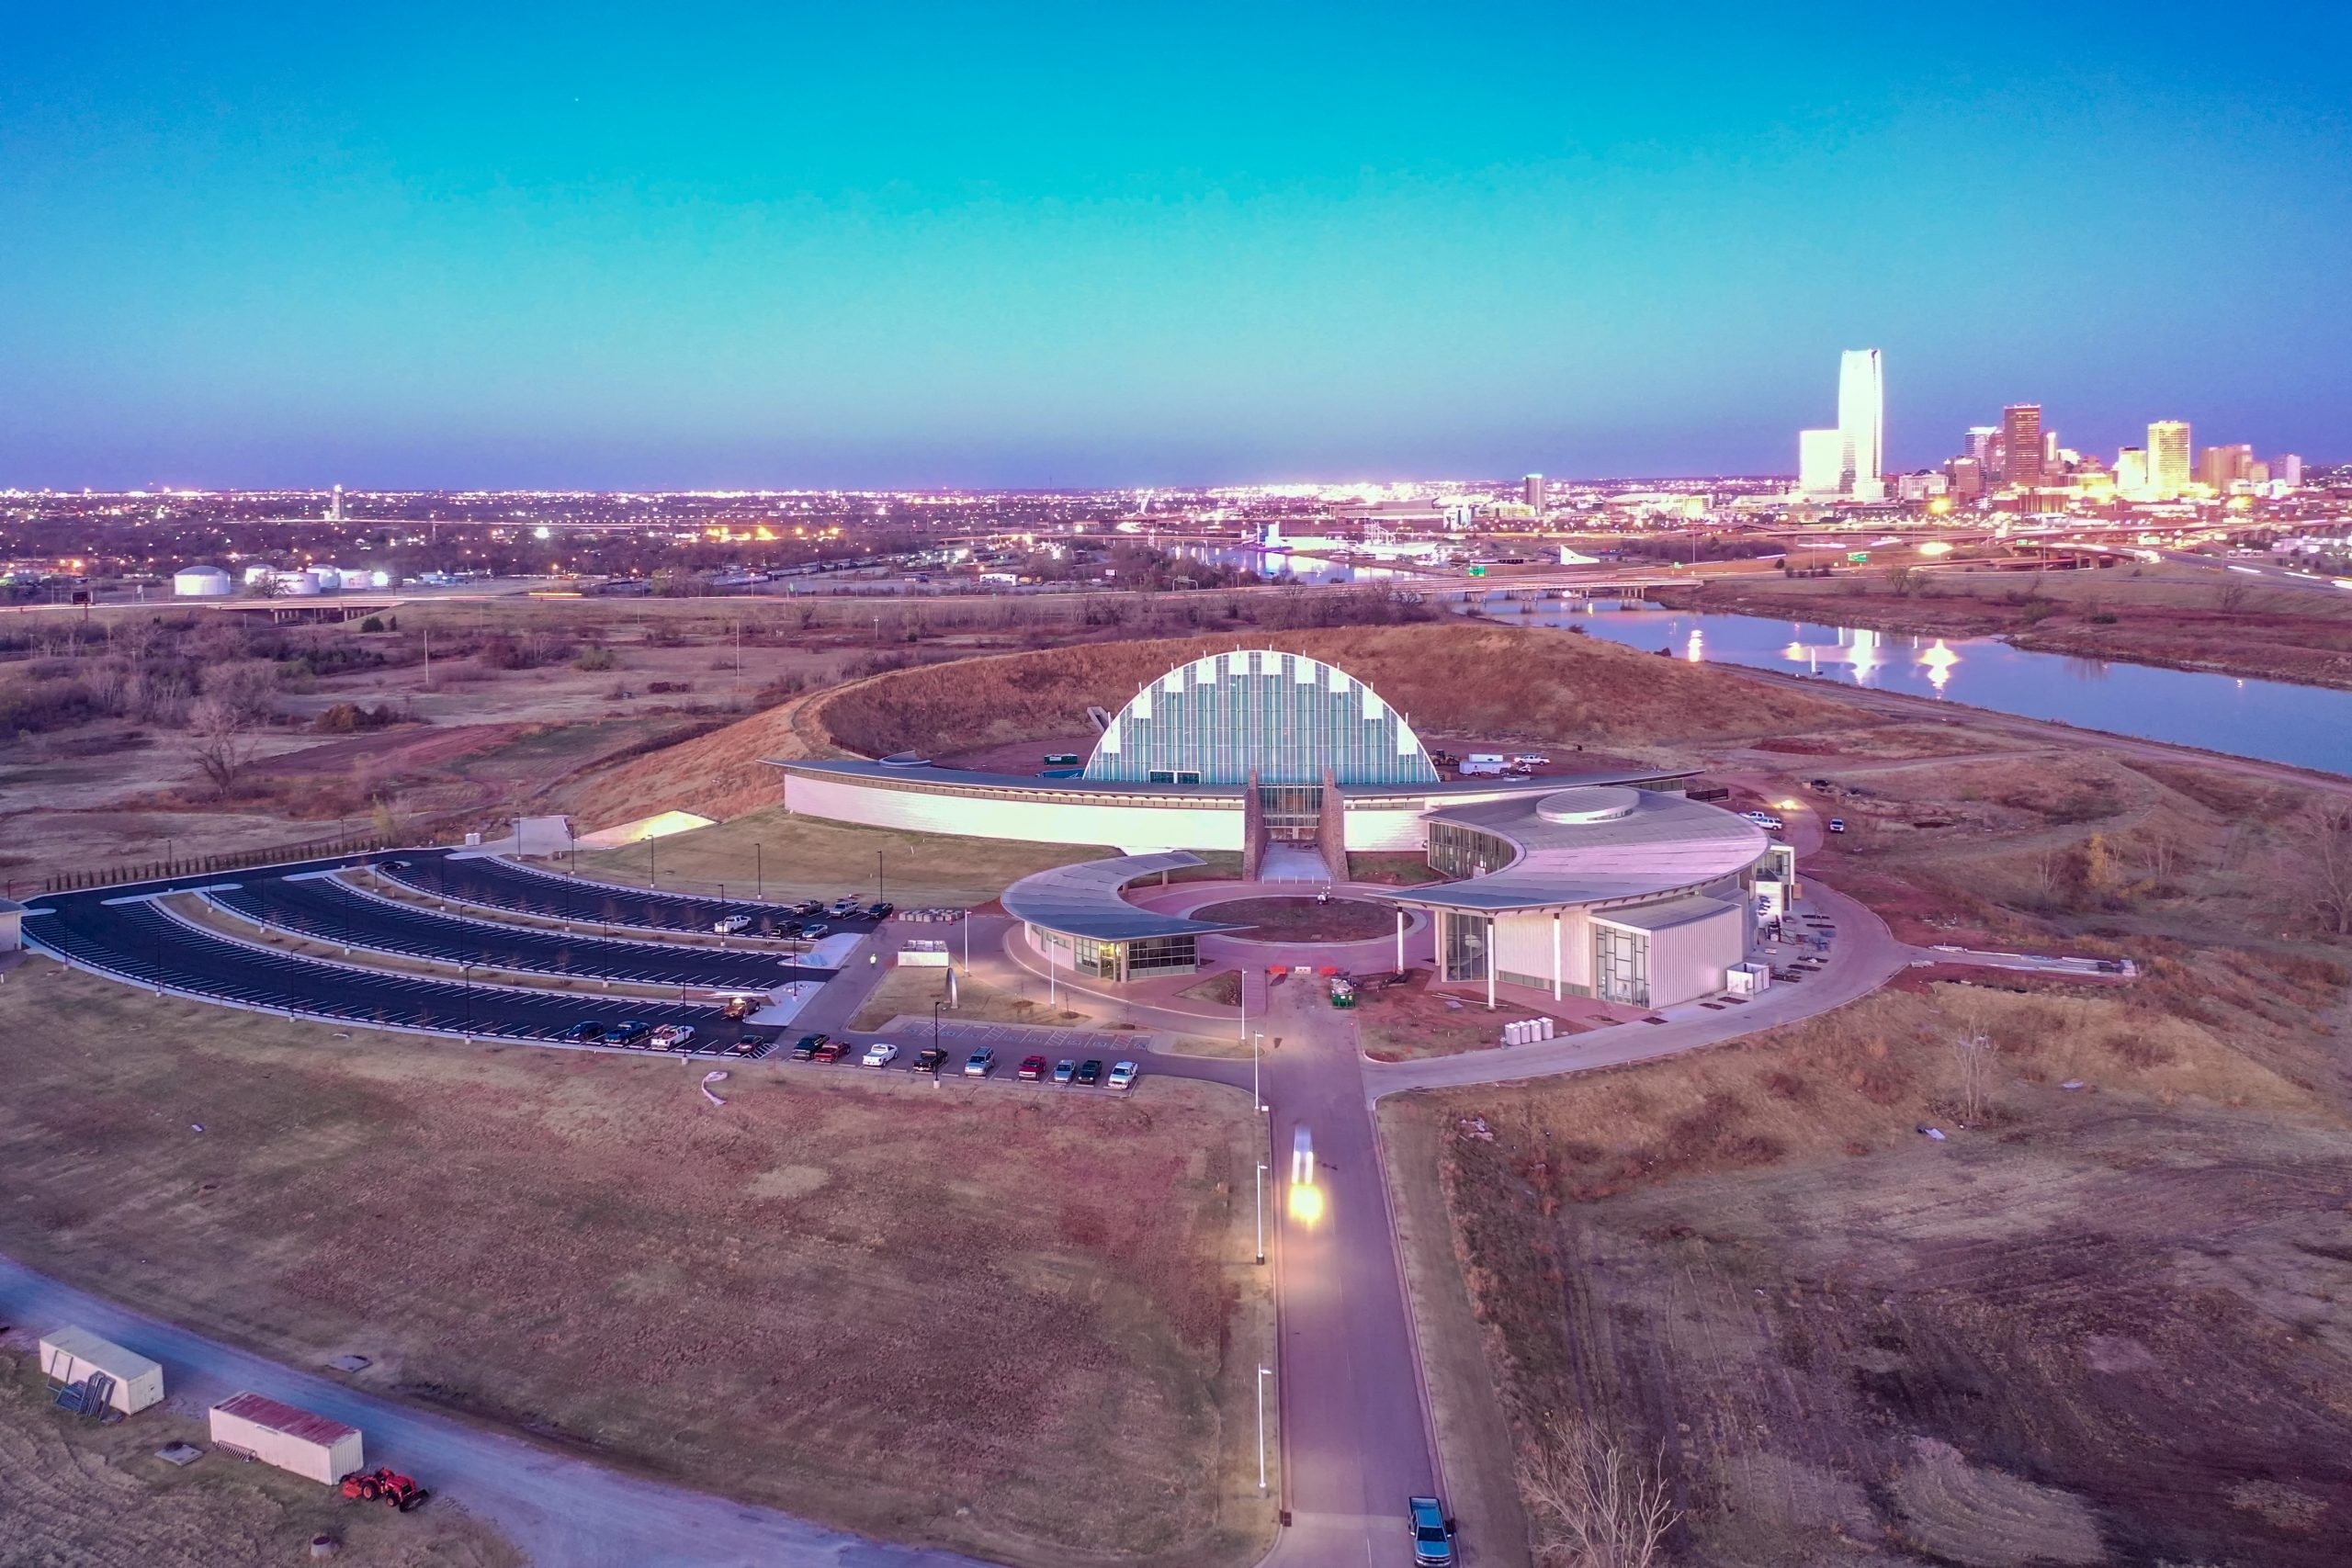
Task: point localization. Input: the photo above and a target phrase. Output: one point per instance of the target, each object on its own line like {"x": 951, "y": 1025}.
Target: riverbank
{"x": 2173, "y": 618}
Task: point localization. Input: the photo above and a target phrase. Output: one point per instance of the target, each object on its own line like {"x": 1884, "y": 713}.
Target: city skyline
{"x": 934, "y": 248}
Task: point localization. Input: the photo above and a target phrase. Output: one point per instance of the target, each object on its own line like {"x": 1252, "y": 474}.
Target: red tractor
{"x": 381, "y": 1486}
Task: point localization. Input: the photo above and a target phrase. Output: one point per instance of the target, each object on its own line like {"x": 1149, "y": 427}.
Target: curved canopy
{"x": 1286, "y": 715}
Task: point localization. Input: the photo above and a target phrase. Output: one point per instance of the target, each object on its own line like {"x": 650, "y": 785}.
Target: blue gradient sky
{"x": 938, "y": 244}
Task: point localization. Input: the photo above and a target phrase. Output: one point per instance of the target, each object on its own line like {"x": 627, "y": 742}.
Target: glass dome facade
{"x": 1287, "y": 715}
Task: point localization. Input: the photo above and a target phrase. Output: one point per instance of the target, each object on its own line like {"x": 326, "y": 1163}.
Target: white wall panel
{"x": 1688, "y": 961}
{"x": 1032, "y": 821}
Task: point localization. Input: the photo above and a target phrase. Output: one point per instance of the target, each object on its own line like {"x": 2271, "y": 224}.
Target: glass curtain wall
{"x": 1621, "y": 965}
{"x": 1467, "y": 943}
{"x": 1284, "y": 714}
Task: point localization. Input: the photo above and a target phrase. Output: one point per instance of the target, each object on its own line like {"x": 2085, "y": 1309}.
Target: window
{"x": 1621, "y": 965}
{"x": 1468, "y": 939}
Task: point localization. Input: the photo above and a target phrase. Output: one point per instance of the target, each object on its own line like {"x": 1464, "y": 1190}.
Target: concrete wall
{"x": 1208, "y": 826}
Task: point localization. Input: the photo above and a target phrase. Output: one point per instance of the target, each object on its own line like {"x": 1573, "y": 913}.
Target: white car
{"x": 881, "y": 1053}
{"x": 1122, "y": 1075}
{"x": 670, "y": 1036}
{"x": 731, "y": 924}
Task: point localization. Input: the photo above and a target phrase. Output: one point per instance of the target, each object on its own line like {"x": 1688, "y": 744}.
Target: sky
{"x": 888, "y": 246}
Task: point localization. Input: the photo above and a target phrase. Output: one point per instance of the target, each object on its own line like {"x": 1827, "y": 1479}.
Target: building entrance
{"x": 1293, "y": 813}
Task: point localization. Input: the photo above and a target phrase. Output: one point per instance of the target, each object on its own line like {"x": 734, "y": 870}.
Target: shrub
{"x": 596, "y": 659}
{"x": 372, "y": 624}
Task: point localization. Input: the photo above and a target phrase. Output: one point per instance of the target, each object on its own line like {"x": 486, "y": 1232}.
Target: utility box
{"x": 1746, "y": 979}
{"x": 71, "y": 1355}
{"x": 309, "y": 1446}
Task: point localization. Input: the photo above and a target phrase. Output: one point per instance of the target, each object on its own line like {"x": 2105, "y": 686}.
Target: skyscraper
{"x": 2168, "y": 451}
{"x": 1984, "y": 447}
{"x": 1862, "y": 421}
{"x": 2288, "y": 470}
{"x": 1821, "y": 462}
{"x": 2131, "y": 473}
{"x": 1532, "y": 490}
{"x": 2221, "y": 467}
{"x": 2021, "y": 443}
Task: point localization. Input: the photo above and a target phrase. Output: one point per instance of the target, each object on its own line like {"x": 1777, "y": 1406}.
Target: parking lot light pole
{"x": 1262, "y": 1212}
{"x": 1263, "y": 1373}
{"x": 759, "y": 873}
{"x": 1257, "y": 1101}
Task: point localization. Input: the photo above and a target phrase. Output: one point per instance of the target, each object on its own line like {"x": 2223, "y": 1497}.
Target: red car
{"x": 832, "y": 1050}
{"x": 1032, "y": 1069}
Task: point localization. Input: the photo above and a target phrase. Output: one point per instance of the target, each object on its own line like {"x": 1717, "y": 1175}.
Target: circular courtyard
{"x": 1296, "y": 920}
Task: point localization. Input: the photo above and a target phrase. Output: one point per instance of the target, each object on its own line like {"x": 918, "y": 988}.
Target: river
{"x": 2277, "y": 721}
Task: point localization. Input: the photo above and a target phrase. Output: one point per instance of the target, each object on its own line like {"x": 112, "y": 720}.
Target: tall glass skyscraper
{"x": 2168, "y": 458}
{"x": 1861, "y": 421}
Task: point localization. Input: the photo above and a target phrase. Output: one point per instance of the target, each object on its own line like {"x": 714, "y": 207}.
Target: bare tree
{"x": 1972, "y": 1056}
{"x": 247, "y": 687}
{"x": 2318, "y": 868}
{"x": 224, "y": 745}
{"x": 1595, "y": 1507}
{"x": 2230, "y": 595}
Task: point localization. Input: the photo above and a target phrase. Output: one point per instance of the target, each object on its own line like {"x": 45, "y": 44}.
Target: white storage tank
{"x": 349, "y": 580}
{"x": 200, "y": 582}
{"x": 71, "y": 1355}
{"x": 297, "y": 583}
{"x": 326, "y": 579}
{"x": 323, "y": 1451}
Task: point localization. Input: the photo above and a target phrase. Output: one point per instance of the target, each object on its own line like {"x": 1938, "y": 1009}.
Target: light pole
{"x": 1263, "y": 1373}
{"x": 1257, "y": 1103}
{"x": 1262, "y": 1212}
{"x": 759, "y": 872}
{"x": 877, "y": 876}
{"x": 935, "y": 1057}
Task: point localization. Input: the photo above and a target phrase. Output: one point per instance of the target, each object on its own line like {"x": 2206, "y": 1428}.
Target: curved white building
{"x": 1611, "y": 885}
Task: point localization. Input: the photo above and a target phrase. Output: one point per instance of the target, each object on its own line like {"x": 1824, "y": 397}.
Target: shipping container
{"x": 311, "y": 1446}
{"x": 71, "y": 1355}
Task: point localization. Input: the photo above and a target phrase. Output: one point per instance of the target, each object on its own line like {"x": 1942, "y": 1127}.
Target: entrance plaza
{"x": 1607, "y": 888}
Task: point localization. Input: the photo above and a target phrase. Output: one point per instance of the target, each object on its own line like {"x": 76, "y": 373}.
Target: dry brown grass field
{"x": 2107, "y": 1320}
{"x": 909, "y": 993}
{"x": 1012, "y": 1326}
{"x": 81, "y": 1495}
{"x": 1484, "y": 680}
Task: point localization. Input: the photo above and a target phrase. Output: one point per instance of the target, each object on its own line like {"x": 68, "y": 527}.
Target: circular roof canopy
{"x": 1600, "y": 804}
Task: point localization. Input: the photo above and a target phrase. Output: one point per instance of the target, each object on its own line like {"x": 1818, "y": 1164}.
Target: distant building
{"x": 1821, "y": 462}
{"x": 2021, "y": 445}
{"x": 1967, "y": 477}
{"x": 1984, "y": 449}
{"x": 2287, "y": 469}
{"x": 1921, "y": 487}
{"x": 335, "y": 507}
{"x": 2168, "y": 449}
{"x": 200, "y": 582}
{"x": 2222, "y": 466}
{"x": 1862, "y": 421}
{"x": 2131, "y": 473}
{"x": 1532, "y": 491}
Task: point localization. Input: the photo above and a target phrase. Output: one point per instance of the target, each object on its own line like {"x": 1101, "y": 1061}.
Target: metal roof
{"x": 1083, "y": 899}
{"x": 1663, "y": 916}
{"x": 1594, "y": 845}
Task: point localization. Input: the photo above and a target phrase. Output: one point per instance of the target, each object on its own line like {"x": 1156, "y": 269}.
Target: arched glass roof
{"x": 1287, "y": 715}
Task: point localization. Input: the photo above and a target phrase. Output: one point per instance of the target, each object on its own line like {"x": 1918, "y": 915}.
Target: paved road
{"x": 565, "y": 1512}
{"x": 329, "y": 911}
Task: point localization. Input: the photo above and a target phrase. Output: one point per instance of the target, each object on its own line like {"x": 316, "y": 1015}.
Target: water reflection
{"x": 2305, "y": 726}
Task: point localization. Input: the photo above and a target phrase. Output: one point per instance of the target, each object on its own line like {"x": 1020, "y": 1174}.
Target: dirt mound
{"x": 1507, "y": 683}
{"x": 720, "y": 774}
{"x": 1989, "y": 1519}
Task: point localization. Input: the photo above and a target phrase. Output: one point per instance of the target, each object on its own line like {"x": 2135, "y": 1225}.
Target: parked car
{"x": 1432, "y": 1532}
{"x": 580, "y": 1034}
{"x": 1837, "y": 824}
{"x": 752, "y": 1043}
{"x": 1065, "y": 1070}
{"x": 833, "y": 1051}
{"x": 929, "y": 1059}
{"x": 1089, "y": 1072}
{"x": 627, "y": 1032}
{"x": 815, "y": 930}
{"x": 1122, "y": 1075}
{"x": 881, "y": 1053}
{"x": 728, "y": 925}
{"x": 671, "y": 1036}
{"x": 806, "y": 1051}
{"x": 807, "y": 907}
{"x": 1032, "y": 1069}
{"x": 980, "y": 1063}
{"x": 740, "y": 1007}
{"x": 880, "y": 911}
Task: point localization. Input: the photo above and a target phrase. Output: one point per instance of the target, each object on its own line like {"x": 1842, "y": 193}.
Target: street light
{"x": 759, "y": 873}
{"x": 936, "y": 1057}
{"x": 1263, "y": 1373}
{"x": 1262, "y": 1212}
{"x": 1256, "y": 1039}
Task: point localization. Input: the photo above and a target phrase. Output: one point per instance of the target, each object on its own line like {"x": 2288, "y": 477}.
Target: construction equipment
{"x": 382, "y": 1485}
{"x": 1343, "y": 992}
{"x": 740, "y": 1007}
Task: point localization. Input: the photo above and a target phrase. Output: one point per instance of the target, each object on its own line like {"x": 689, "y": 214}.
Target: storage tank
{"x": 71, "y": 1355}
{"x": 327, "y": 579}
{"x": 200, "y": 582}
{"x": 361, "y": 580}
{"x": 297, "y": 583}
{"x": 313, "y": 1445}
